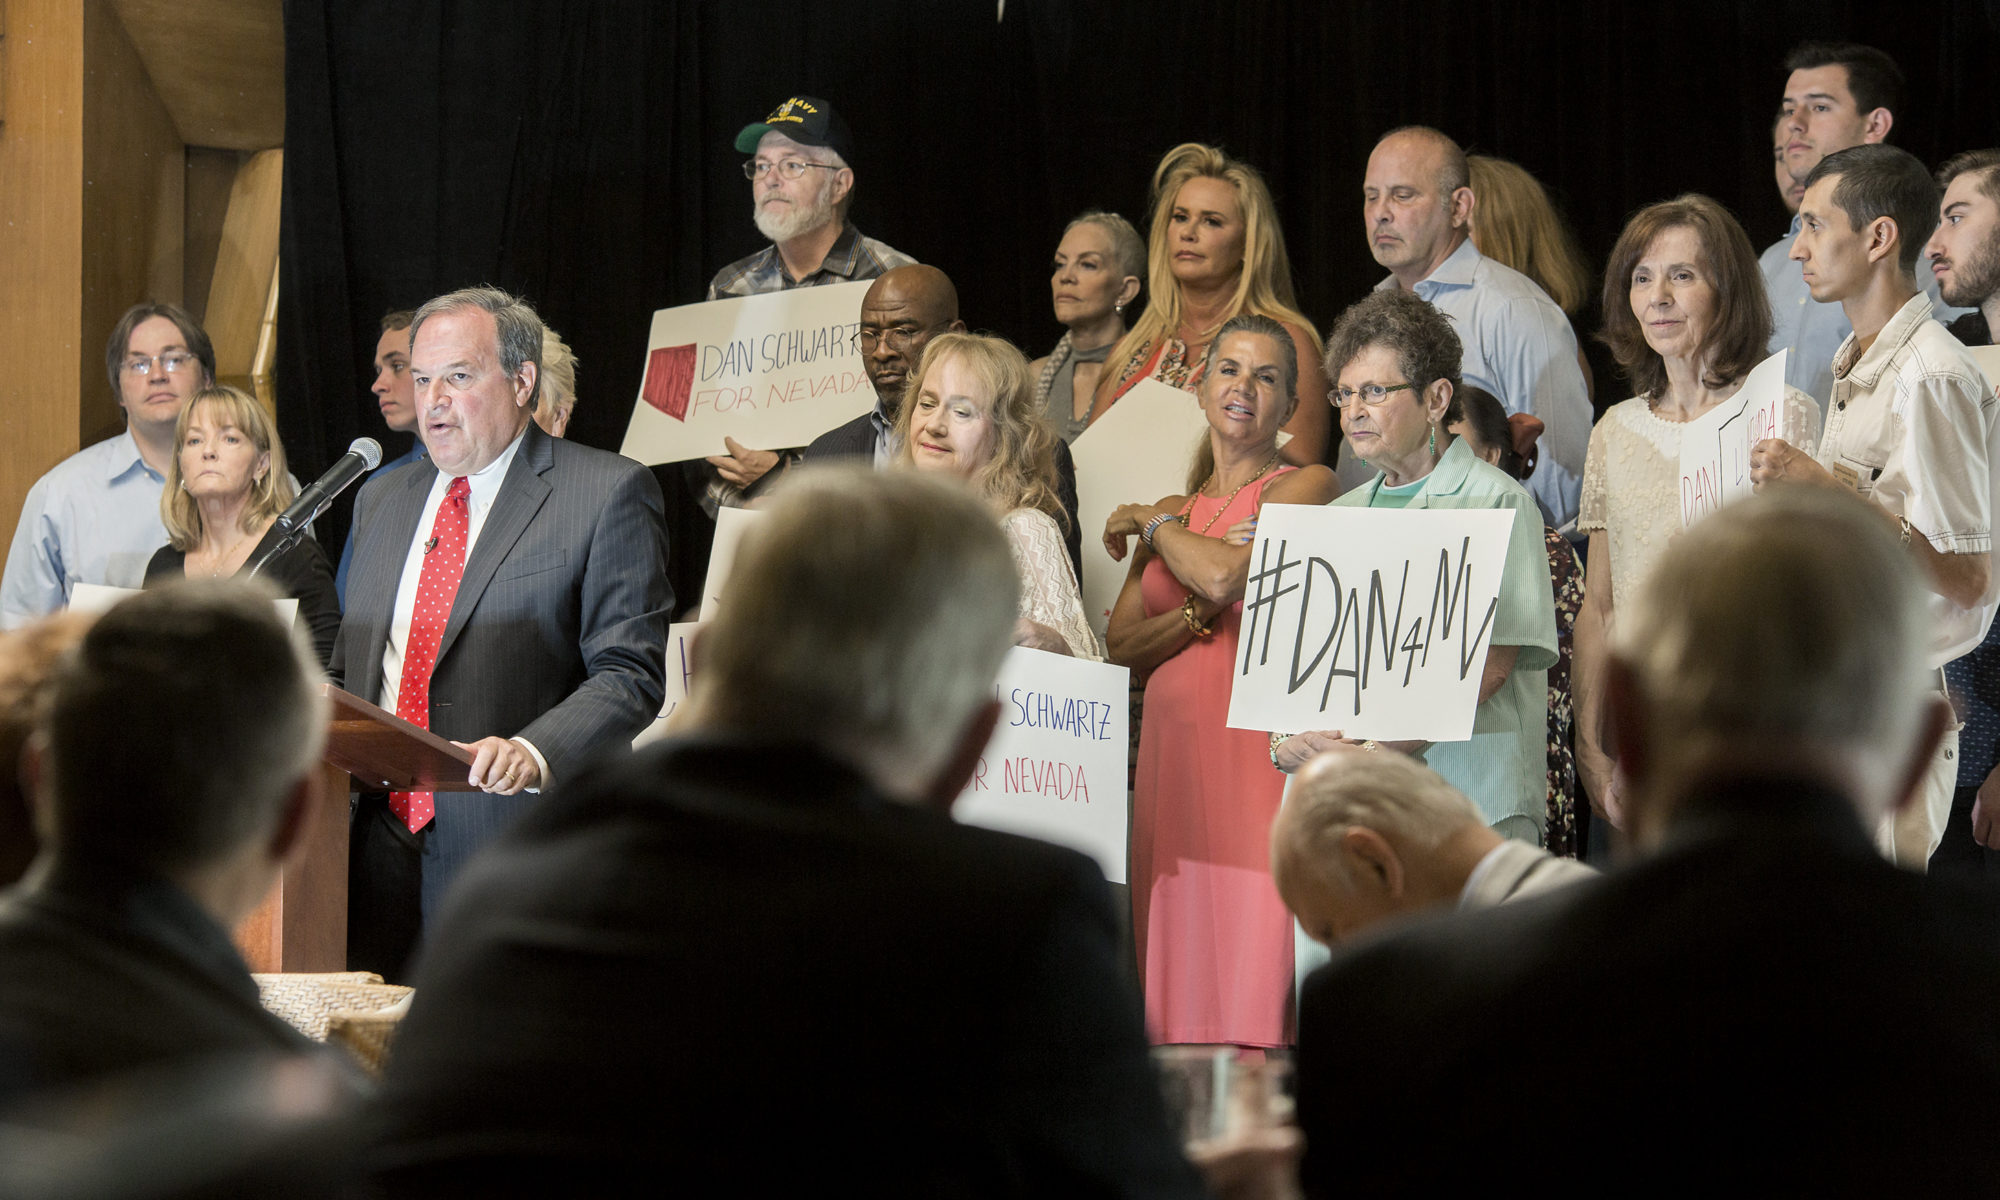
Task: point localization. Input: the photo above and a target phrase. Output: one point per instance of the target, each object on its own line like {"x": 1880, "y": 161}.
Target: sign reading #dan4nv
{"x": 771, "y": 371}
{"x": 1374, "y": 622}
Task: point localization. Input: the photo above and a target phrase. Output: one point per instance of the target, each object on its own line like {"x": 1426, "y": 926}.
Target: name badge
{"x": 1848, "y": 476}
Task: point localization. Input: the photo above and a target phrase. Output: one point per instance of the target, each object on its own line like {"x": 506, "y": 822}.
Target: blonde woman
{"x": 1215, "y": 252}
{"x": 226, "y": 486}
{"x": 558, "y": 391}
{"x": 969, "y": 410}
{"x": 1514, "y": 223}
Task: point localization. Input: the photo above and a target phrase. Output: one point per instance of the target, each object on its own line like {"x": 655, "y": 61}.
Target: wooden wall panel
{"x": 210, "y": 175}
{"x": 134, "y": 200}
{"x": 244, "y": 264}
{"x": 41, "y": 182}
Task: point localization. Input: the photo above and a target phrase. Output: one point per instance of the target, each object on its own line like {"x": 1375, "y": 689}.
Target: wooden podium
{"x": 302, "y": 924}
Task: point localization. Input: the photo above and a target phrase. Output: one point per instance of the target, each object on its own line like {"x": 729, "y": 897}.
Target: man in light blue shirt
{"x": 1417, "y": 206}
{"x": 1836, "y": 96}
{"x": 95, "y": 518}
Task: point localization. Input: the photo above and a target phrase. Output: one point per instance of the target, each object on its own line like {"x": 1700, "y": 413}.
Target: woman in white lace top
{"x": 969, "y": 410}
{"x": 1686, "y": 317}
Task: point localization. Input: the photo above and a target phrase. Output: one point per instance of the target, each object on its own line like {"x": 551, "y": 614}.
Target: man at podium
{"x": 509, "y": 594}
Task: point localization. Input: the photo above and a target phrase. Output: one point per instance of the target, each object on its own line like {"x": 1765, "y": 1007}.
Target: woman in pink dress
{"x": 1214, "y": 939}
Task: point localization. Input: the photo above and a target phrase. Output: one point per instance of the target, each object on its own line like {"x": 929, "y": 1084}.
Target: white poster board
{"x": 1374, "y": 622}
{"x": 771, "y": 371}
{"x": 1715, "y": 447}
{"x": 680, "y": 669}
{"x": 1135, "y": 453}
{"x": 1055, "y": 769}
{"x": 730, "y": 525}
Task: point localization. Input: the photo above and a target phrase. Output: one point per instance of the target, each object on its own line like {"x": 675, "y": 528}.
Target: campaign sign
{"x": 1715, "y": 447}
{"x": 1373, "y": 622}
{"x": 771, "y": 371}
{"x": 680, "y": 669}
{"x": 1055, "y": 769}
{"x": 1137, "y": 452}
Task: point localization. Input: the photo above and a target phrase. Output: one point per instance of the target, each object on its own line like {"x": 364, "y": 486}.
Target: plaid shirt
{"x": 853, "y": 256}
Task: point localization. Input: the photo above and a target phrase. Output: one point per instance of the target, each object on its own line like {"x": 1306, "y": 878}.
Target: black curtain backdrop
{"x": 579, "y": 151}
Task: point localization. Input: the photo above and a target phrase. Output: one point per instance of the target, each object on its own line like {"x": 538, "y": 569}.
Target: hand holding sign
{"x": 1742, "y": 444}
{"x": 742, "y": 467}
{"x": 1774, "y": 460}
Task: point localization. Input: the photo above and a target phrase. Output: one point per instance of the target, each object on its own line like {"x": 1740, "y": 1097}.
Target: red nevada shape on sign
{"x": 669, "y": 380}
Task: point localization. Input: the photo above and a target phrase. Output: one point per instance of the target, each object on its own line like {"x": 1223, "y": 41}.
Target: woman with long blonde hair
{"x": 969, "y": 410}
{"x": 1215, "y": 252}
{"x": 1515, "y": 224}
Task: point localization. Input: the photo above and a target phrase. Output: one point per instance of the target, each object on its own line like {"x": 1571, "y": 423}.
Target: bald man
{"x": 1365, "y": 839}
{"x": 903, "y": 310}
{"x": 1417, "y": 205}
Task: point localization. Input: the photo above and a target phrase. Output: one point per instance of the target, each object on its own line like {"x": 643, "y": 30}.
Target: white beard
{"x": 784, "y": 224}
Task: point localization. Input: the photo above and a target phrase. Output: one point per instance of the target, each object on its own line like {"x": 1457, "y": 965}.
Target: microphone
{"x": 363, "y": 455}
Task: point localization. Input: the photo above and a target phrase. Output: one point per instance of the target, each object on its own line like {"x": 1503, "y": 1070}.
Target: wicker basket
{"x": 306, "y": 1001}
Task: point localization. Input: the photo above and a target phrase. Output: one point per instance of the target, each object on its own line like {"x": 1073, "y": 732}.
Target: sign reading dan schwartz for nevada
{"x": 771, "y": 371}
{"x": 1055, "y": 768}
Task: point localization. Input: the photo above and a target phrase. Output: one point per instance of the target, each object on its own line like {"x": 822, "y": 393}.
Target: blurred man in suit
{"x": 1762, "y": 1004}
{"x": 172, "y": 775}
{"x": 759, "y": 955}
{"x": 508, "y": 593}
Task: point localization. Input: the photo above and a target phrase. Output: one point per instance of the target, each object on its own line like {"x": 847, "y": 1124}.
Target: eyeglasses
{"x": 897, "y": 339}
{"x": 1370, "y": 394}
{"x": 791, "y": 168}
{"x": 173, "y": 364}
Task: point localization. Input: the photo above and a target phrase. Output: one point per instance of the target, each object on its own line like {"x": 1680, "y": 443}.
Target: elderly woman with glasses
{"x": 1213, "y": 936}
{"x": 1395, "y": 364}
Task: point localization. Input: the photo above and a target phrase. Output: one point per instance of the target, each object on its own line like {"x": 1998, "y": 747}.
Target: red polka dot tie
{"x": 437, "y": 586}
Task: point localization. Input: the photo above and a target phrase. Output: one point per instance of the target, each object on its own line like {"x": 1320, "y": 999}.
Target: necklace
{"x": 1187, "y": 510}
{"x": 215, "y": 571}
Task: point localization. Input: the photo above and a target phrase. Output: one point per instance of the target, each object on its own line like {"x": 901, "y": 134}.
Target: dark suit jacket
{"x": 103, "y": 972}
{"x": 856, "y": 439}
{"x": 723, "y": 964}
{"x": 1766, "y": 1007}
{"x": 558, "y": 632}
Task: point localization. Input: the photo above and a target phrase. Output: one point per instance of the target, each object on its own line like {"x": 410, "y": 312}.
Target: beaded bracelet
{"x": 1152, "y": 527}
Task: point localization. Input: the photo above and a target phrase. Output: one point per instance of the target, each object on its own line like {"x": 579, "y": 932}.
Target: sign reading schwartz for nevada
{"x": 770, "y": 371}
